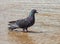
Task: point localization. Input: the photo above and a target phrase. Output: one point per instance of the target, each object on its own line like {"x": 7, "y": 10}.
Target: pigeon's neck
{"x": 32, "y": 14}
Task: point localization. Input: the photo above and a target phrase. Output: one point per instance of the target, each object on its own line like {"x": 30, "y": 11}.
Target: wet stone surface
{"x": 46, "y": 29}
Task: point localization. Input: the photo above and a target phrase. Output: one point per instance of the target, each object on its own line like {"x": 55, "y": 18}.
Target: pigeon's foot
{"x": 23, "y": 30}
{"x": 26, "y": 30}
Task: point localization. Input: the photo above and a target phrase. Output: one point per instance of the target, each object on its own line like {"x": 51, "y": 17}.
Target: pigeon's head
{"x": 34, "y": 11}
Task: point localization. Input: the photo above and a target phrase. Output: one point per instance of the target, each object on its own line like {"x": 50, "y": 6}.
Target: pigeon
{"x": 24, "y": 23}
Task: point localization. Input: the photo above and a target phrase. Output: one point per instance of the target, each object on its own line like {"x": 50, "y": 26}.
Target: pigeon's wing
{"x": 22, "y": 23}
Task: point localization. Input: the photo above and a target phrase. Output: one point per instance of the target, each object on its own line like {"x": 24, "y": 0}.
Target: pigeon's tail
{"x": 13, "y": 25}
{"x": 8, "y": 24}
{"x": 12, "y": 21}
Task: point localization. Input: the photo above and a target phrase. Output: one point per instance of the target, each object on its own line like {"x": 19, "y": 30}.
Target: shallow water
{"x": 46, "y": 29}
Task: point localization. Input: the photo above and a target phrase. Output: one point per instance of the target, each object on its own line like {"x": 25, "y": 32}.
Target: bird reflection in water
{"x": 19, "y": 38}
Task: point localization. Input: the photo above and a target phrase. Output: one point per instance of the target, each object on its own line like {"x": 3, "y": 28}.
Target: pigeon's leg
{"x": 23, "y": 30}
{"x": 26, "y": 29}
